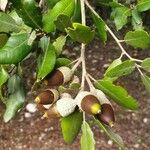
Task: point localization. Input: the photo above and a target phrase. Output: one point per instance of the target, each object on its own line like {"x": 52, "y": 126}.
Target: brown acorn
{"x": 59, "y": 76}
{"x": 47, "y": 96}
{"x": 52, "y": 112}
{"x": 88, "y": 102}
{"x": 107, "y": 115}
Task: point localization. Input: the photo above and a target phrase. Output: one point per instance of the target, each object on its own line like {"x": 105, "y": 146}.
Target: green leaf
{"x": 3, "y": 39}
{"x": 87, "y": 138}
{"x": 113, "y": 136}
{"x": 146, "y": 82}
{"x": 100, "y": 25}
{"x": 59, "y": 44}
{"x": 115, "y": 63}
{"x": 16, "y": 98}
{"x": 146, "y": 64}
{"x": 80, "y": 33}
{"x": 143, "y": 5}
{"x": 3, "y": 76}
{"x": 138, "y": 38}
{"x": 71, "y": 126}
{"x": 117, "y": 93}
{"x": 8, "y": 24}
{"x": 62, "y": 22}
{"x": 29, "y": 11}
{"x": 122, "y": 69}
{"x": 136, "y": 20}
{"x": 15, "y": 50}
{"x": 65, "y": 7}
{"x": 120, "y": 16}
{"x": 49, "y": 58}
{"x": 62, "y": 62}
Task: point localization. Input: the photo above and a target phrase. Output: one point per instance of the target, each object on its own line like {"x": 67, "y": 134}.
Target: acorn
{"x": 59, "y": 76}
{"x": 47, "y": 96}
{"x": 107, "y": 113}
{"x": 87, "y": 102}
{"x": 62, "y": 108}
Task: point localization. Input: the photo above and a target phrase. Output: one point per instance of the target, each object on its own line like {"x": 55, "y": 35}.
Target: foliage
{"x": 28, "y": 27}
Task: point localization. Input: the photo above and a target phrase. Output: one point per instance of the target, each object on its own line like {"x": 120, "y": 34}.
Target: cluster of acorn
{"x": 56, "y": 105}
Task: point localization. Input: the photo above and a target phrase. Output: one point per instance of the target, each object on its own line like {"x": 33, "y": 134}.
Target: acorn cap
{"x": 101, "y": 97}
{"x": 65, "y": 106}
{"x": 88, "y": 102}
{"x": 65, "y": 95}
{"x": 52, "y": 112}
{"x": 59, "y": 76}
{"x": 107, "y": 115}
{"x": 47, "y": 97}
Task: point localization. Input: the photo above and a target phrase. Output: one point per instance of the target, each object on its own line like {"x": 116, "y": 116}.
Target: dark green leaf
{"x": 8, "y": 24}
{"x": 87, "y": 138}
{"x": 59, "y": 44}
{"x": 15, "y": 50}
{"x": 146, "y": 82}
{"x": 115, "y": 137}
{"x": 49, "y": 58}
{"x": 62, "y": 22}
{"x": 71, "y": 126}
{"x": 29, "y": 11}
{"x": 138, "y": 38}
{"x": 3, "y": 39}
{"x": 143, "y": 5}
{"x": 100, "y": 25}
{"x": 3, "y": 76}
{"x": 122, "y": 69}
{"x": 65, "y": 7}
{"x": 62, "y": 62}
{"x": 120, "y": 15}
{"x": 146, "y": 64}
{"x": 16, "y": 98}
{"x": 117, "y": 93}
{"x": 81, "y": 33}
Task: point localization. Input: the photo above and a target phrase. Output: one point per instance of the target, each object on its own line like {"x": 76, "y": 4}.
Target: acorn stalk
{"x": 88, "y": 102}
{"x": 59, "y": 76}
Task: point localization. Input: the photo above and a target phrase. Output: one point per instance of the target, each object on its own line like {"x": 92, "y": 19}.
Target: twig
{"x": 112, "y": 34}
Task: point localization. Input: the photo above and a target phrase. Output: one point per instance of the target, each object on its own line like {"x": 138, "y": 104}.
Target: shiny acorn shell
{"x": 107, "y": 115}
{"x": 47, "y": 96}
{"x": 88, "y": 102}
